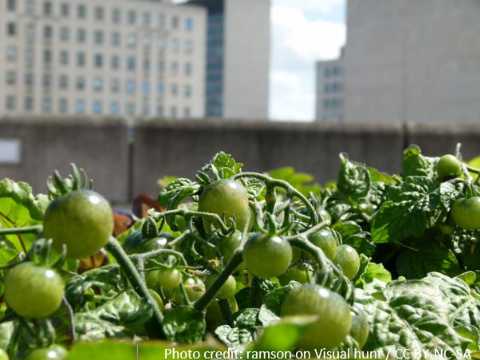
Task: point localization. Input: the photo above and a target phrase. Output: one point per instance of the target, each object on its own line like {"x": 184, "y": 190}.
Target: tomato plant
{"x": 81, "y": 220}
{"x": 239, "y": 260}
{"x": 44, "y": 287}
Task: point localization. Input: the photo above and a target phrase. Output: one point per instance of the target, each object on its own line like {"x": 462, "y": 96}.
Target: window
{"x": 161, "y": 67}
{"x": 98, "y": 60}
{"x": 147, "y": 19}
{"x": 47, "y": 32}
{"x": 98, "y": 84}
{"x": 11, "y": 5}
{"x": 175, "y": 45}
{"x": 161, "y": 21}
{"x": 132, "y": 17}
{"x": 189, "y": 24}
{"x": 81, "y": 60}
{"x": 132, "y": 40}
{"x": 81, "y": 35}
{"x": 116, "y": 16}
{"x": 174, "y": 89}
{"x": 175, "y": 22}
{"x": 146, "y": 88}
{"x": 115, "y": 86}
{"x": 186, "y": 112}
{"x": 81, "y": 12}
{"x": 146, "y": 65}
{"x": 64, "y": 57}
{"x": 28, "y": 103}
{"x": 188, "y": 46}
{"x": 116, "y": 40}
{"x": 98, "y": 36}
{"x": 131, "y": 63}
{"x": 146, "y": 109}
{"x": 80, "y": 106}
{"x": 188, "y": 91}
{"x": 99, "y": 13}
{"x": 47, "y": 57}
{"x": 11, "y": 78}
{"x": 63, "y": 82}
{"x": 47, "y": 8}
{"x": 160, "y": 110}
{"x": 80, "y": 83}
{"x": 65, "y": 10}
{"x": 97, "y": 107}
{"x": 130, "y": 87}
{"x": 188, "y": 69}
{"x": 115, "y": 62}
{"x": 47, "y": 81}
{"x": 115, "y": 108}
{"x": 47, "y": 104}
{"x": 173, "y": 111}
{"x": 11, "y": 29}
{"x": 64, "y": 33}
{"x": 29, "y": 79}
{"x": 160, "y": 88}
{"x": 11, "y": 103}
{"x": 63, "y": 105}
{"x": 131, "y": 109}
{"x": 174, "y": 68}
{"x": 12, "y": 53}
{"x": 29, "y": 7}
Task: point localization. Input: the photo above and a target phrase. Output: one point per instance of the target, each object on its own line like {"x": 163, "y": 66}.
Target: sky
{"x": 303, "y": 31}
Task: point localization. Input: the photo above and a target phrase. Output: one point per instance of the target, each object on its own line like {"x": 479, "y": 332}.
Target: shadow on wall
{"x": 32, "y": 148}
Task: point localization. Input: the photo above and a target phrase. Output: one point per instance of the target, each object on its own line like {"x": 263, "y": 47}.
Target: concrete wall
{"x": 101, "y": 147}
{"x": 180, "y": 148}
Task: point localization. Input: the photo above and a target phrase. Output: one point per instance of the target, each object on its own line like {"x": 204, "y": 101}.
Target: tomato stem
{"x": 135, "y": 279}
{"x": 202, "y": 303}
{"x": 34, "y": 229}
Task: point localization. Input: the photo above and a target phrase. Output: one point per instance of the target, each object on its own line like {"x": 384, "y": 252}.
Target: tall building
{"x": 413, "y": 60}
{"x": 115, "y": 57}
{"x": 330, "y": 75}
{"x": 238, "y": 58}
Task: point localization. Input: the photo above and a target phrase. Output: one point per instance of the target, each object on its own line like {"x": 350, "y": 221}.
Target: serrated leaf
{"x": 415, "y": 164}
{"x": 177, "y": 191}
{"x": 226, "y": 165}
{"x": 353, "y": 180}
{"x": 184, "y": 324}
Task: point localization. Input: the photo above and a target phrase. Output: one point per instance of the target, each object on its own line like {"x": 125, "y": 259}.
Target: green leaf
{"x": 415, "y": 164}
{"x": 177, "y": 191}
{"x": 303, "y": 182}
{"x": 353, "y": 180}
{"x": 411, "y": 208}
{"x": 226, "y": 165}
{"x": 352, "y": 234}
{"x": 373, "y": 272}
{"x": 184, "y": 324}
{"x": 423, "y": 317}
{"x": 234, "y": 337}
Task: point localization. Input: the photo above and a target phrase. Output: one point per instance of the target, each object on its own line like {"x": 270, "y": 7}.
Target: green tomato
{"x": 348, "y": 260}
{"x": 466, "y": 213}
{"x": 33, "y": 291}
{"x": 167, "y": 279}
{"x": 158, "y": 299}
{"x": 135, "y": 242}
{"x": 360, "y": 327}
{"x": 82, "y": 220}
{"x": 325, "y": 240}
{"x": 195, "y": 288}
{"x": 54, "y": 352}
{"x": 3, "y": 355}
{"x": 267, "y": 256}
{"x": 227, "y": 198}
{"x": 449, "y": 167}
{"x": 334, "y": 315}
{"x": 229, "y": 244}
{"x": 298, "y": 273}
{"x": 228, "y": 289}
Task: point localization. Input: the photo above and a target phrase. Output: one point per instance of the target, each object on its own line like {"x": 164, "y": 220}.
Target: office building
{"x": 238, "y": 58}
{"x": 102, "y": 57}
{"x": 412, "y": 60}
{"x": 330, "y": 75}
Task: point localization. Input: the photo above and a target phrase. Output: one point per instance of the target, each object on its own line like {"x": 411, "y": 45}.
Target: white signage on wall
{"x": 9, "y": 151}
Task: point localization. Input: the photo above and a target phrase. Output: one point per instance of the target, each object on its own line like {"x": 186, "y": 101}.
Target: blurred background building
{"x": 412, "y": 60}
{"x": 330, "y": 103}
{"x": 135, "y": 58}
{"x": 238, "y": 58}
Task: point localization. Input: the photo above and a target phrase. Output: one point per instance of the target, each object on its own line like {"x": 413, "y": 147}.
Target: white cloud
{"x": 302, "y": 34}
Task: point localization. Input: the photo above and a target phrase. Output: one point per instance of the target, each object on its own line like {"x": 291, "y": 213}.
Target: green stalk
{"x": 202, "y": 303}
{"x": 135, "y": 279}
{"x": 34, "y": 229}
